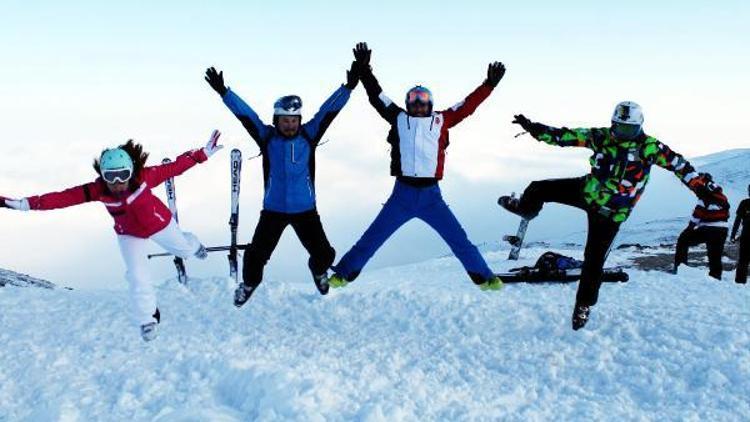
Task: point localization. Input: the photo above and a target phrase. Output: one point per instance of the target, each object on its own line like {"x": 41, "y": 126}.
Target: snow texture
{"x": 417, "y": 342}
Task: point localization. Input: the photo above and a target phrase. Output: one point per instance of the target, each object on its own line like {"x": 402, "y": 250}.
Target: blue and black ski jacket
{"x": 288, "y": 163}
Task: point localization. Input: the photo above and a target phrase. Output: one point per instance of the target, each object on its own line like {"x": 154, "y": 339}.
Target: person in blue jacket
{"x": 288, "y": 151}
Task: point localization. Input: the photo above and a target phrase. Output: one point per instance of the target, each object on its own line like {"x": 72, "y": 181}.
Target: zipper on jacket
{"x": 309, "y": 186}
{"x": 268, "y": 189}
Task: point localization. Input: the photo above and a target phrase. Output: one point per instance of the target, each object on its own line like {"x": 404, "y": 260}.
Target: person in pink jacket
{"x": 124, "y": 187}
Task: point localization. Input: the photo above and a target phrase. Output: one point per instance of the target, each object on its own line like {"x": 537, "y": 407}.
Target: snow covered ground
{"x": 416, "y": 342}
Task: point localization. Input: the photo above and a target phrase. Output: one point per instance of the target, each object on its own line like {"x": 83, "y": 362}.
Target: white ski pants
{"x": 134, "y": 252}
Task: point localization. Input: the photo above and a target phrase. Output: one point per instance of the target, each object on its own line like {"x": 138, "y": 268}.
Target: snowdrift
{"x": 416, "y": 342}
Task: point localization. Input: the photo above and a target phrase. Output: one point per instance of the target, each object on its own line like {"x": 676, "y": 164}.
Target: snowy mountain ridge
{"x": 13, "y": 278}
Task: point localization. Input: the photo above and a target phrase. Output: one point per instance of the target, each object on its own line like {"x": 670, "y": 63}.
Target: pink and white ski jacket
{"x": 139, "y": 214}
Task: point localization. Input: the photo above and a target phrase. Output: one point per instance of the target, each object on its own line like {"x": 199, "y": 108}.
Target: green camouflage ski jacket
{"x": 619, "y": 169}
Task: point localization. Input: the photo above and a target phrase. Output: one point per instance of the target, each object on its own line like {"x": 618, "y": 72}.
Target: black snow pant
{"x": 271, "y": 225}
{"x": 714, "y": 239}
{"x": 744, "y": 259}
{"x": 601, "y": 230}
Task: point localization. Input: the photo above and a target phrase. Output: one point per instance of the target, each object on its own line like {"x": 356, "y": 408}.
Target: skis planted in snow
{"x": 236, "y": 170}
{"x": 179, "y": 263}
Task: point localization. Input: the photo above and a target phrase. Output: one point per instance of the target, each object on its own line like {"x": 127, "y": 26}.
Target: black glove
{"x": 352, "y": 76}
{"x": 216, "y": 80}
{"x": 495, "y": 72}
{"x": 525, "y": 123}
{"x": 362, "y": 55}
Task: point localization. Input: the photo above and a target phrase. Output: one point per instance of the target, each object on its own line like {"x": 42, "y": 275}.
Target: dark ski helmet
{"x": 288, "y": 105}
{"x": 627, "y": 120}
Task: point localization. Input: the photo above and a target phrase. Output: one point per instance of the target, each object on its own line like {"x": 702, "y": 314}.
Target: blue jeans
{"x": 427, "y": 204}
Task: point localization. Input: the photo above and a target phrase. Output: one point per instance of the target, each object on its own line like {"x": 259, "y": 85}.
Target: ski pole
{"x": 209, "y": 249}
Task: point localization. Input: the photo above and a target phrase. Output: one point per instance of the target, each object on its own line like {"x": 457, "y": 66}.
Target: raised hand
{"x": 362, "y": 54}
{"x": 520, "y": 119}
{"x": 16, "y": 204}
{"x": 216, "y": 80}
{"x": 212, "y": 146}
{"x": 495, "y": 72}
{"x": 352, "y": 76}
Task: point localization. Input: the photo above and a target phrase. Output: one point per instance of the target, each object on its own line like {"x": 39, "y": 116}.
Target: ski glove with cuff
{"x": 527, "y": 125}
{"x": 495, "y": 72}
{"x": 212, "y": 146}
{"x": 216, "y": 80}
{"x": 352, "y": 76}
{"x": 17, "y": 204}
{"x": 362, "y": 54}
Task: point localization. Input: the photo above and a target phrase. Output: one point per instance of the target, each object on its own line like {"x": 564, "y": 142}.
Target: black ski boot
{"x": 513, "y": 204}
{"x": 242, "y": 294}
{"x": 321, "y": 282}
{"x": 580, "y": 316}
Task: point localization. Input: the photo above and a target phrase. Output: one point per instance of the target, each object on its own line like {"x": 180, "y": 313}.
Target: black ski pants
{"x": 744, "y": 260}
{"x": 601, "y": 230}
{"x": 714, "y": 239}
{"x": 271, "y": 225}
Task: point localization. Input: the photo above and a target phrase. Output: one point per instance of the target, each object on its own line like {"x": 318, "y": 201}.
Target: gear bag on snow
{"x": 552, "y": 267}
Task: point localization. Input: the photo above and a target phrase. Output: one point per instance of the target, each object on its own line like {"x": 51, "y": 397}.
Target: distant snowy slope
{"x": 13, "y": 278}
{"x": 731, "y": 168}
{"x": 417, "y": 342}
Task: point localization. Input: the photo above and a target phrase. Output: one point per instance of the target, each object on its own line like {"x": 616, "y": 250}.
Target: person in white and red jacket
{"x": 124, "y": 187}
{"x": 418, "y": 139}
{"x": 708, "y": 224}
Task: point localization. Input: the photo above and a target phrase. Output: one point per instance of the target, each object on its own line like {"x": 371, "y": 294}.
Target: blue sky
{"x": 81, "y": 76}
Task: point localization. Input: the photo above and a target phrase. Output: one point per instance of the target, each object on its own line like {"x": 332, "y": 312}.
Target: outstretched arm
{"x": 54, "y": 200}
{"x": 462, "y": 110}
{"x": 156, "y": 175}
{"x": 317, "y": 126}
{"x": 562, "y": 137}
{"x": 663, "y": 156}
{"x": 244, "y": 113}
{"x": 382, "y": 104}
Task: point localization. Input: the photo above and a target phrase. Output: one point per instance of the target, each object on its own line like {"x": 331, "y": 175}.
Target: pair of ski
{"x": 533, "y": 275}
{"x": 235, "y": 172}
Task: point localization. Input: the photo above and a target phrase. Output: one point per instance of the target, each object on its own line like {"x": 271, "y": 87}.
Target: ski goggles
{"x": 117, "y": 176}
{"x": 625, "y": 131}
{"x": 421, "y": 96}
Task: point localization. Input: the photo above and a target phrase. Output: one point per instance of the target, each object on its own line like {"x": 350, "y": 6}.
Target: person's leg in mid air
{"x": 310, "y": 232}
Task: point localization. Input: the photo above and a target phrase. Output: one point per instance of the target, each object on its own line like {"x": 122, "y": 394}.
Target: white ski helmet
{"x": 629, "y": 113}
{"x": 627, "y": 120}
{"x": 288, "y": 105}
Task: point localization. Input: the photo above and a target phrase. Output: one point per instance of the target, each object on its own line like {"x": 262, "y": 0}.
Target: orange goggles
{"x": 421, "y": 96}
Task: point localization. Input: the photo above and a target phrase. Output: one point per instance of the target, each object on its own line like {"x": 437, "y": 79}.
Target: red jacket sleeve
{"x": 465, "y": 108}
{"x": 156, "y": 175}
{"x": 67, "y": 198}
